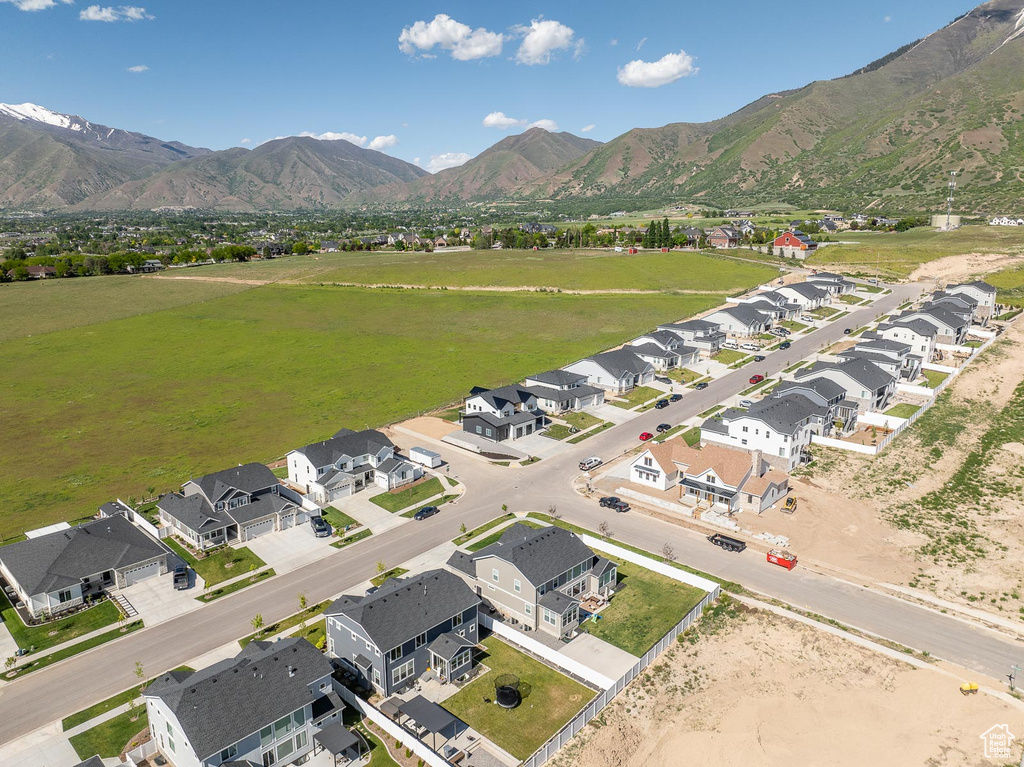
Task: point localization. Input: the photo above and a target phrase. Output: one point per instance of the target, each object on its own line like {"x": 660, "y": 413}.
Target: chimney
{"x": 755, "y": 463}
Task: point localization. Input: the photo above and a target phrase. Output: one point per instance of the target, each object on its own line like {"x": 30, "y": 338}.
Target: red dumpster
{"x": 782, "y": 559}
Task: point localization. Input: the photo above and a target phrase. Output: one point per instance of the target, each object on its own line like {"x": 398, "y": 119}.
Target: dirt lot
{"x": 963, "y": 268}
{"x": 760, "y": 689}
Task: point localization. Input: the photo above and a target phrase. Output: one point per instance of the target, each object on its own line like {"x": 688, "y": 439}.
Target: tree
{"x": 257, "y": 623}
{"x": 553, "y": 512}
{"x": 504, "y": 507}
{"x": 300, "y": 248}
{"x": 605, "y": 530}
{"x": 302, "y": 601}
{"x": 381, "y": 567}
{"x": 668, "y": 553}
{"x": 9, "y": 663}
{"x": 462, "y": 528}
{"x": 666, "y": 234}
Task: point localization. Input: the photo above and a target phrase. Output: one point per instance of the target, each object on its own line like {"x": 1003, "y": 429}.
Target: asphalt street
{"x": 51, "y": 693}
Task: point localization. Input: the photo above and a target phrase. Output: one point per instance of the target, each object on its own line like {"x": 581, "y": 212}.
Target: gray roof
{"x": 249, "y": 478}
{"x": 427, "y": 714}
{"x": 564, "y": 395}
{"x": 942, "y": 314}
{"x": 864, "y": 372}
{"x": 716, "y": 425}
{"x": 653, "y": 350}
{"x": 519, "y": 417}
{"x": 540, "y": 555}
{"x": 557, "y": 378}
{"x": 921, "y": 327}
{"x": 92, "y": 761}
{"x": 884, "y": 344}
{"x": 345, "y": 443}
{"x": 783, "y": 414}
{"x": 449, "y": 644}
{"x": 404, "y": 608}
{"x": 743, "y": 313}
{"x": 663, "y": 337}
{"x": 506, "y": 395}
{"x": 694, "y": 326}
{"x": 196, "y": 513}
{"x": 826, "y": 277}
{"x": 621, "y": 362}
{"x": 807, "y": 290}
{"x": 979, "y": 284}
{"x": 392, "y": 464}
{"x": 557, "y": 602}
{"x": 336, "y": 738}
{"x": 114, "y": 508}
{"x": 882, "y": 360}
{"x": 823, "y": 387}
{"x": 959, "y": 298}
{"x": 225, "y": 702}
{"x": 57, "y": 560}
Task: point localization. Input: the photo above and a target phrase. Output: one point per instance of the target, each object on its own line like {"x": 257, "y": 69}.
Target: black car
{"x": 675, "y": 398}
{"x": 610, "y": 501}
{"x": 180, "y": 578}
{"x": 847, "y": 332}
{"x": 759, "y": 358}
{"x": 785, "y": 345}
{"x": 426, "y": 511}
{"x": 701, "y": 386}
{"x": 620, "y": 507}
{"x": 662, "y": 403}
{"x": 321, "y": 527}
{"x": 663, "y": 379}
{"x": 663, "y": 427}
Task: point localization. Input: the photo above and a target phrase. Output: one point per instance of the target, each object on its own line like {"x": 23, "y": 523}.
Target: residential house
{"x": 511, "y": 412}
{"x": 617, "y": 371}
{"x": 807, "y": 295}
{"x": 262, "y": 707}
{"x": 981, "y": 292}
{"x": 724, "y": 237}
{"x": 894, "y": 357}
{"x": 919, "y": 335}
{"x": 60, "y": 570}
{"x": 1006, "y": 221}
{"x": 664, "y": 350}
{"x": 37, "y": 272}
{"x": 740, "y": 320}
{"x": 778, "y": 428}
{"x": 229, "y": 506}
{"x": 706, "y": 337}
{"x": 829, "y": 227}
{"x": 952, "y": 326}
{"x": 712, "y": 476}
{"x": 396, "y": 633}
{"x": 537, "y": 578}
{"x": 836, "y": 417}
{"x": 745, "y": 227}
{"x": 693, "y": 235}
{"x": 835, "y": 284}
{"x": 794, "y": 244}
{"x": 151, "y": 265}
{"x": 346, "y": 463}
{"x": 441, "y": 242}
{"x": 863, "y": 381}
{"x": 773, "y": 303}
{"x": 328, "y": 246}
{"x": 559, "y": 391}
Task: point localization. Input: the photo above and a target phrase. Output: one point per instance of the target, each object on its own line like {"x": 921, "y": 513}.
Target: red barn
{"x": 794, "y": 244}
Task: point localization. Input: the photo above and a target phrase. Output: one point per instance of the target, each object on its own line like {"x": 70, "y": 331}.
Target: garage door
{"x": 137, "y": 574}
{"x": 260, "y": 528}
{"x": 288, "y": 520}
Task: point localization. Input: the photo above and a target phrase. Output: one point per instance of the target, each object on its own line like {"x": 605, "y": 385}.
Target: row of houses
{"x": 1006, "y": 221}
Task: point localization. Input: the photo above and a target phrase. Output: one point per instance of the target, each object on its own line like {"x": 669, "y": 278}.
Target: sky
{"x": 431, "y": 83}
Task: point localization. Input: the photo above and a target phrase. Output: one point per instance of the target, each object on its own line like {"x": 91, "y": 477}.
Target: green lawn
{"x": 692, "y": 437}
{"x": 565, "y": 269}
{"x": 339, "y": 520}
{"x": 493, "y": 537}
{"x": 109, "y": 738}
{"x": 934, "y": 377}
{"x": 756, "y": 386}
{"x": 554, "y": 700}
{"x": 580, "y": 420}
{"x": 729, "y": 356}
{"x": 220, "y": 566}
{"x": 109, "y": 704}
{"x": 409, "y": 496}
{"x": 313, "y": 632}
{"x": 471, "y": 534}
{"x": 711, "y": 411}
{"x": 903, "y": 410}
{"x": 636, "y": 396}
{"x": 361, "y": 535}
{"x": 83, "y": 397}
{"x": 57, "y": 632}
{"x": 824, "y": 312}
{"x": 871, "y": 288}
{"x": 37, "y": 661}
{"x": 853, "y": 300}
{"x": 683, "y": 375}
{"x": 231, "y": 588}
{"x": 588, "y": 434}
{"x": 794, "y": 327}
{"x": 557, "y": 431}
{"x": 308, "y": 615}
{"x": 644, "y": 608}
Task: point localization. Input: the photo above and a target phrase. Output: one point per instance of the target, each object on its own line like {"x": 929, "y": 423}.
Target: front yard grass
{"x": 848, "y": 299}
{"x": 637, "y": 396}
{"x": 220, "y": 566}
{"x": 110, "y": 738}
{"x": 313, "y": 633}
{"x": 645, "y": 607}
{"x": 352, "y": 538}
{"x": 554, "y": 700}
{"x": 729, "y": 356}
{"x": 410, "y": 496}
{"x": 793, "y": 327}
{"x": 36, "y": 661}
{"x": 683, "y": 375}
{"x": 49, "y": 634}
{"x": 588, "y": 434}
{"x": 711, "y": 411}
{"x": 934, "y": 377}
{"x": 231, "y": 588}
{"x": 471, "y": 534}
{"x": 692, "y": 437}
{"x": 580, "y": 420}
{"x": 83, "y": 716}
{"x": 387, "y": 575}
{"x": 281, "y": 626}
{"x": 903, "y": 410}
{"x": 823, "y": 312}
{"x": 557, "y": 431}
{"x": 339, "y": 520}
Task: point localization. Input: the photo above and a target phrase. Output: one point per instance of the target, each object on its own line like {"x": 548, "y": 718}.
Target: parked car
{"x": 180, "y": 577}
{"x": 663, "y": 427}
{"x": 847, "y": 331}
{"x": 663, "y": 379}
{"x": 747, "y": 403}
{"x": 609, "y": 501}
{"x": 759, "y": 358}
{"x": 806, "y": 318}
{"x": 782, "y": 331}
{"x": 785, "y": 345}
{"x": 620, "y": 507}
{"x": 321, "y": 527}
{"x": 675, "y": 398}
{"x": 701, "y": 386}
{"x": 646, "y": 436}
{"x": 750, "y": 347}
{"x": 727, "y": 543}
{"x": 756, "y": 378}
{"x": 730, "y": 344}
{"x": 660, "y": 404}
{"x": 590, "y": 463}
{"x": 426, "y": 511}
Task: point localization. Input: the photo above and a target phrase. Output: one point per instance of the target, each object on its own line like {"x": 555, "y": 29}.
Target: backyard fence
{"x": 563, "y": 736}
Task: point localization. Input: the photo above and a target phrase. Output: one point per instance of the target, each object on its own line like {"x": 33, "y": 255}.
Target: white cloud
{"x": 138, "y": 69}
{"x": 549, "y": 125}
{"x": 587, "y": 128}
{"x": 448, "y": 34}
{"x": 501, "y": 120}
{"x": 245, "y": 141}
{"x": 613, "y": 42}
{"x": 640, "y": 44}
{"x": 653, "y": 74}
{"x": 35, "y": 5}
{"x": 447, "y": 160}
{"x": 380, "y": 143}
{"x": 887, "y": 19}
{"x": 351, "y": 138}
{"x": 111, "y": 14}
{"x": 415, "y": 160}
{"x": 542, "y": 38}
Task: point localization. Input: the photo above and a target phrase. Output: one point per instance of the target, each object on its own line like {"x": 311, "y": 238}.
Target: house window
{"x": 743, "y": 442}
{"x": 782, "y": 452}
{"x": 517, "y": 585}
{"x": 488, "y": 431}
{"x": 395, "y": 654}
{"x": 550, "y": 617}
{"x": 268, "y": 758}
{"x": 285, "y": 750}
{"x": 282, "y": 727}
{"x": 528, "y": 608}
{"x": 354, "y": 637}
{"x": 229, "y": 753}
{"x": 457, "y": 620}
{"x": 403, "y": 672}
{"x": 376, "y": 676}
{"x": 745, "y": 430}
{"x": 267, "y": 735}
{"x": 479, "y": 430}
{"x": 421, "y": 639}
{"x": 64, "y": 596}
{"x": 494, "y": 575}
{"x": 648, "y": 462}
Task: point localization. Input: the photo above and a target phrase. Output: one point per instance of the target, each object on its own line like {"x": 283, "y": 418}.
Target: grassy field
{"x": 554, "y": 700}
{"x": 55, "y": 633}
{"x": 562, "y": 269}
{"x": 220, "y": 566}
{"x": 412, "y": 495}
{"x": 897, "y": 254}
{"x": 110, "y": 409}
{"x": 109, "y": 738}
{"x": 645, "y": 606}
{"x": 1010, "y": 283}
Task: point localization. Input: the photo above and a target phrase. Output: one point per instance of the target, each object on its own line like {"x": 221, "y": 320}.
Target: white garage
{"x": 258, "y": 529}
{"x": 136, "y": 574}
{"x": 287, "y": 520}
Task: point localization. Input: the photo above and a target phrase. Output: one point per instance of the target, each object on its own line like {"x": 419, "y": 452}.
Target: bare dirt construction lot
{"x": 755, "y": 688}
{"x": 963, "y": 268}
{"x": 940, "y": 510}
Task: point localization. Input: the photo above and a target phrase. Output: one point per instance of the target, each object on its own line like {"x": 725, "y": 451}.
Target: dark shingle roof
{"x": 539, "y": 555}
{"x": 345, "y": 443}
{"x": 921, "y": 327}
{"x": 823, "y": 387}
{"x": 864, "y": 372}
{"x": 506, "y": 395}
{"x": 449, "y": 644}
{"x": 979, "y": 284}
{"x": 405, "y": 608}
{"x": 61, "y": 559}
{"x": 249, "y": 478}
{"x": 784, "y": 414}
{"x": 225, "y": 702}
{"x": 807, "y": 290}
{"x": 557, "y": 378}
{"x": 882, "y": 343}
{"x": 557, "y": 602}
{"x": 92, "y": 761}
{"x": 744, "y": 313}
{"x": 653, "y": 350}
{"x": 621, "y": 362}
{"x": 193, "y": 511}
{"x": 563, "y": 395}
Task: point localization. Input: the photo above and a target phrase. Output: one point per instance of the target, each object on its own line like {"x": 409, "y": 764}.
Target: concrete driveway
{"x": 290, "y": 549}
{"x": 156, "y": 599}
{"x": 597, "y": 654}
{"x": 368, "y": 514}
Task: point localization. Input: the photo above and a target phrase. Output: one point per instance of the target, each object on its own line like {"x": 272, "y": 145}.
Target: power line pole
{"x": 949, "y": 200}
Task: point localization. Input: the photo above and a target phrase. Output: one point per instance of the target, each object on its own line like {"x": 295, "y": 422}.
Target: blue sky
{"x": 419, "y": 79}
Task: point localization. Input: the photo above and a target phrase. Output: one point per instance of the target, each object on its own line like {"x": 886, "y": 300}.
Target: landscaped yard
{"x": 387, "y": 575}
{"x": 824, "y": 312}
{"x": 729, "y": 356}
{"x": 848, "y": 299}
{"x": 692, "y": 437}
{"x": 36, "y": 661}
{"x": 557, "y": 431}
{"x": 355, "y": 537}
{"x": 757, "y": 386}
{"x": 644, "y": 608}
{"x": 903, "y": 410}
{"x": 934, "y": 377}
{"x": 637, "y": 396}
{"x": 493, "y": 537}
{"x": 793, "y": 327}
{"x": 55, "y": 633}
{"x": 339, "y": 520}
{"x": 83, "y": 716}
{"x": 409, "y": 496}
{"x": 308, "y": 615}
{"x": 218, "y": 567}
{"x": 580, "y": 420}
{"x": 683, "y": 375}
{"x": 554, "y": 699}
{"x": 211, "y": 594}
{"x": 471, "y": 534}
{"x": 110, "y": 738}
{"x": 591, "y": 432}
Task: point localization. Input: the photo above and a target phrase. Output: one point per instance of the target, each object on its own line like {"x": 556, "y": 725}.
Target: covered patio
{"x": 423, "y": 718}
{"x": 341, "y": 744}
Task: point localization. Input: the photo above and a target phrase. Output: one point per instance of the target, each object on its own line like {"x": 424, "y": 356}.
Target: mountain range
{"x": 886, "y": 135}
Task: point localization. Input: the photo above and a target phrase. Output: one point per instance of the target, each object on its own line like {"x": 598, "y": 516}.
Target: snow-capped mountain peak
{"x": 36, "y": 113}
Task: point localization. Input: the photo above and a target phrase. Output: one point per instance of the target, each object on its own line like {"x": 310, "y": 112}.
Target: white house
{"x": 559, "y": 391}
{"x": 740, "y": 320}
{"x": 779, "y": 428}
{"x": 919, "y": 335}
{"x": 981, "y": 292}
{"x": 705, "y": 336}
{"x": 510, "y": 412}
{"x": 804, "y": 293}
{"x": 952, "y": 326}
{"x": 835, "y": 284}
{"x": 863, "y": 381}
{"x": 617, "y": 371}
{"x": 894, "y": 357}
